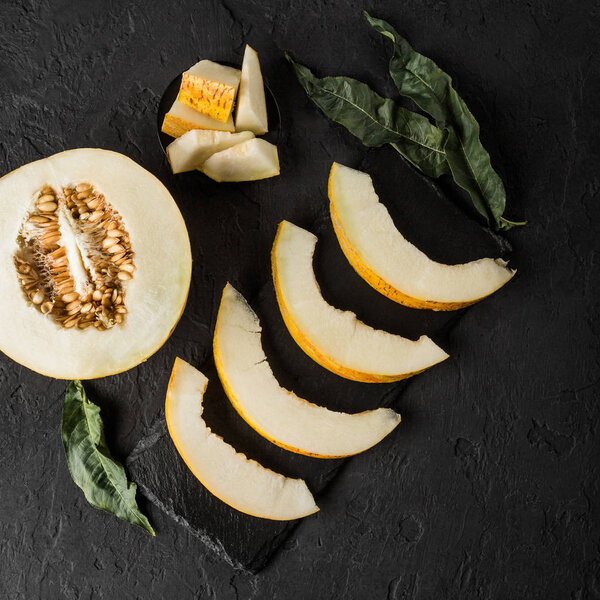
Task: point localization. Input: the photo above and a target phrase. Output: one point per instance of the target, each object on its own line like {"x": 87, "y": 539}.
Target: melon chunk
{"x": 181, "y": 118}
{"x": 210, "y": 88}
{"x": 336, "y": 339}
{"x": 392, "y": 265}
{"x": 251, "y": 111}
{"x": 191, "y": 150}
{"x": 276, "y": 413}
{"x": 239, "y": 482}
{"x": 248, "y": 161}
{"x": 90, "y": 284}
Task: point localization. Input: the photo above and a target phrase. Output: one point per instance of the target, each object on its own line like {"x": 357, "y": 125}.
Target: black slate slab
{"x": 247, "y": 542}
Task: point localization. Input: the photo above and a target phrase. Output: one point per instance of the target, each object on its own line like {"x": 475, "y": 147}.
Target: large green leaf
{"x": 420, "y": 79}
{"x": 376, "y": 120}
{"x": 92, "y": 467}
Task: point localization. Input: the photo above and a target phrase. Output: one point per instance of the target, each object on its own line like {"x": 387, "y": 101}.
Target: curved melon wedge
{"x": 336, "y": 339}
{"x": 276, "y": 413}
{"x": 239, "y": 482}
{"x": 391, "y": 264}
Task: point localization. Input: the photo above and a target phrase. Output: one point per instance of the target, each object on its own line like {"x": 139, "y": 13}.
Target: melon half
{"x": 276, "y": 413}
{"x": 95, "y": 264}
{"x": 334, "y": 338}
{"x": 391, "y": 264}
{"x": 239, "y": 482}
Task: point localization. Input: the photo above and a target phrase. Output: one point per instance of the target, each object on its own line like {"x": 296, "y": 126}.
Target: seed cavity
{"x": 74, "y": 258}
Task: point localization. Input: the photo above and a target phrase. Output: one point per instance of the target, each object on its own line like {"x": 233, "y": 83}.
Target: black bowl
{"x": 170, "y": 94}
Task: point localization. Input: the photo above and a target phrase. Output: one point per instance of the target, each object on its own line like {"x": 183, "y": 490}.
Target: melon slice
{"x": 276, "y": 413}
{"x": 181, "y": 118}
{"x": 95, "y": 264}
{"x": 210, "y": 88}
{"x": 248, "y": 161}
{"x": 230, "y": 476}
{"x": 191, "y": 150}
{"x": 392, "y": 265}
{"x": 336, "y": 339}
{"x": 251, "y": 111}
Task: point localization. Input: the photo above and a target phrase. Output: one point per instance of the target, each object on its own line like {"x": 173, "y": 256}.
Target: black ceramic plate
{"x": 170, "y": 94}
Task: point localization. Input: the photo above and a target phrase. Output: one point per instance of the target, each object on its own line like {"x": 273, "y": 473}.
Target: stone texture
{"x": 489, "y": 488}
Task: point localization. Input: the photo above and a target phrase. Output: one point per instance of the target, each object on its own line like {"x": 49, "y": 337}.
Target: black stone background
{"x": 489, "y": 487}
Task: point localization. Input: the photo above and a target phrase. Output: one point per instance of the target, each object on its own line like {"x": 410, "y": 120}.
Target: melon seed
{"x": 38, "y": 297}
{"x": 39, "y": 219}
{"x": 94, "y": 203}
{"x": 127, "y": 266}
{"x": 71, "y": 321}
{"x": 47, "y": 206}
{"x": 124, "y": 275}
{"x": 74, "y": 304}
{"x": 108, "y": 242}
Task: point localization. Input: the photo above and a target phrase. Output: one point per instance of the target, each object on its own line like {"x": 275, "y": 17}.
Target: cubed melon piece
{"x": 191, "y": 150}
{"x": 248, "y": 161}
{"x": 181, "y": 119}
{"x": 251, "y": 111}
{"x": 210, "y": 88}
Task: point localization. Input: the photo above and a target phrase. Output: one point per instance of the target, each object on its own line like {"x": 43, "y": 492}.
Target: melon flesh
{"x": 276, "y": 413}
{"x": 248, "y": 161}
{"x": 239, "y": 482}
{"x": 154, "y": 296}
{"x": 210, "y": 88}
{"x": 336, "y": 339}
{"x": 191, "y": 150}
{"x": 251, "y": 111}
{"x": 182, "y": 118}
{"x": 391, "y": 264}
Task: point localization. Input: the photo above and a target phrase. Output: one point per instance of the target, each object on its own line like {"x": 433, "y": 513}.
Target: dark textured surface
{"x": 489, "y": 488}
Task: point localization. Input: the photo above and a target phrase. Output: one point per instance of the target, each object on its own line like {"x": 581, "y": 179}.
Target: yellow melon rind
{"x": 213, "y": 98}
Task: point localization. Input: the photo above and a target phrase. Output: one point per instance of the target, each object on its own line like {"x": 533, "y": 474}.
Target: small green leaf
{"x": 420, "y": 79}
{"x": 92, "y": 467}
{"x": 376, "y": 120}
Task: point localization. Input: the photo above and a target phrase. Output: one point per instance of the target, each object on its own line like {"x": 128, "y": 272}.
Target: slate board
{"x": 432, "y": 222}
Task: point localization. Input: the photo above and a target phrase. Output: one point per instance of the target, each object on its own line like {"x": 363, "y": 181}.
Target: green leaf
{"x": 421, "y": 80}
{"x": 376, "y": 120}
{"x": 92, "y": 467}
